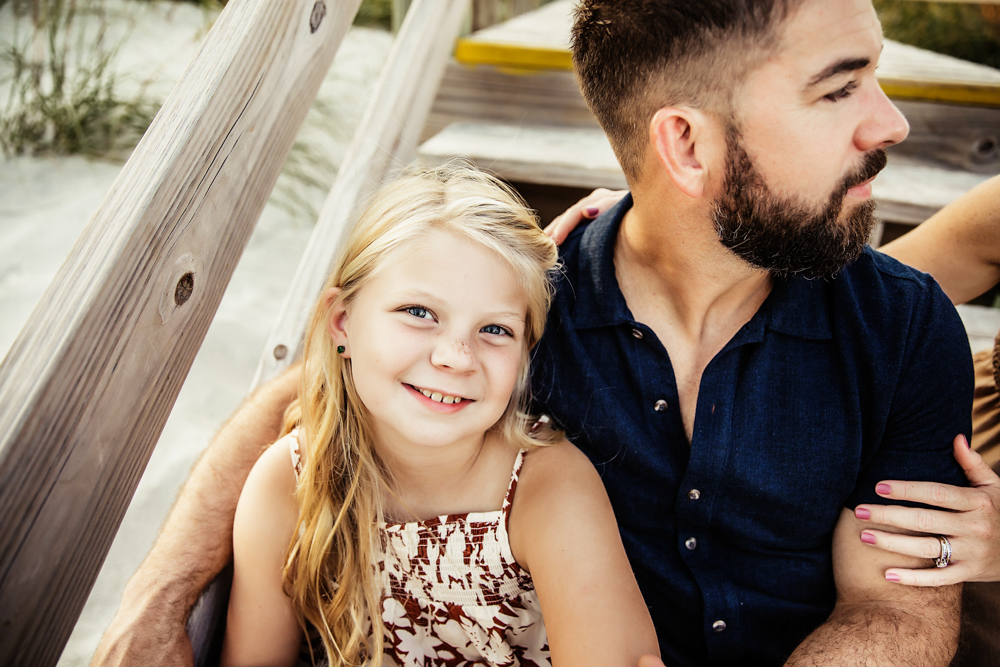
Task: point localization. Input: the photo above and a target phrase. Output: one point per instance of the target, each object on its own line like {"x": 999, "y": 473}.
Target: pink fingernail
{"x": 592, "y": 211}
{"x": 862, "y": 513}
{"x": 867, "y": 538}
{"x": 889, "y": 576}
{"x": 883, "y": 489}
{"x": 966, "y": 441}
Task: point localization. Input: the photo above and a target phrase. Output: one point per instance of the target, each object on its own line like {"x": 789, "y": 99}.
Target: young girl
{"x": 409, "y": 517}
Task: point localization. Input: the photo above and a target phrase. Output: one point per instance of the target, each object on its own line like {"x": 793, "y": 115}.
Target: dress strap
{"x": 508, "y": 499}
{"x": 293, "y": 448}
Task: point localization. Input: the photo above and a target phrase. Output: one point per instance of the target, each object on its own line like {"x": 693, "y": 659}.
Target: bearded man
{"x": 740, "y": 368}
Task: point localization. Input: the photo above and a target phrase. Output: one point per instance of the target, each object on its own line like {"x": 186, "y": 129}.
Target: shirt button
{"x": 637, "y": 334}
{"x": 660, "y": 405}
{"x": 719, "y": 626}
{"x": 691, "y": 544}
{"x": 694, "y": 494}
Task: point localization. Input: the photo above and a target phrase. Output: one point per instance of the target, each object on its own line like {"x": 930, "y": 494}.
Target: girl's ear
{"x": 336, "y": 321}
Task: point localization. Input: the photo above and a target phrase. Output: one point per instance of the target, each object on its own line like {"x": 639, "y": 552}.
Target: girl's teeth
{"x": 439, "y": 397}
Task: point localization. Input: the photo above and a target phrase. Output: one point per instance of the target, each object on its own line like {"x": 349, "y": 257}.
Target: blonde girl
{"x": 409, "y": 517}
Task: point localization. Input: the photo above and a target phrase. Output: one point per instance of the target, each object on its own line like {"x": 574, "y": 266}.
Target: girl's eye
{"x": 419, "y": 311}
{"x": 843, "y": 93}
{"x": 497, "y": 330}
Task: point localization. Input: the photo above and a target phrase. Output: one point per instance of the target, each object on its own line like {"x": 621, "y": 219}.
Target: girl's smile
{"x": 436, "y": 400}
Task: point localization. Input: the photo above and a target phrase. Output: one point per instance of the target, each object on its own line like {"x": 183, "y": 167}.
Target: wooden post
{"x": 385, "y": 141}
{"x": 88, "y": 384}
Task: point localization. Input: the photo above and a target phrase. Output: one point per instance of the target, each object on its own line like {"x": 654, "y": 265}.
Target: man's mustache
{"x": 873, "y": 163}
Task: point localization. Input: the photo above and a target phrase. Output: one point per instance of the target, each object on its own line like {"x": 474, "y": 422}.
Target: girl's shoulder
{"x": 552, "y": 481}
{"x": 556, "y": 464}
{"x": 275, "y": 475}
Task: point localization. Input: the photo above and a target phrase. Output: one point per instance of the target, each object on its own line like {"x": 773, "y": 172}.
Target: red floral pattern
{"x": 453, "y": 595}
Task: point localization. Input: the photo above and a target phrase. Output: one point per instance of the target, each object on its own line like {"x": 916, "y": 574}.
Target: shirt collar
{"x": 795, "y": 306}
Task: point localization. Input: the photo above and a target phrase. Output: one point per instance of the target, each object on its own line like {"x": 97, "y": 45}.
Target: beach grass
{"x": 61, "y": 94}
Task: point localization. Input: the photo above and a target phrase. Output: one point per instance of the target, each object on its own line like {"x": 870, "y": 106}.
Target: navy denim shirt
{"x": 831, "y": 387}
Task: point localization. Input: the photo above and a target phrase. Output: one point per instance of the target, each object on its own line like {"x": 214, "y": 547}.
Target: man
{"x": 737, "y": 410}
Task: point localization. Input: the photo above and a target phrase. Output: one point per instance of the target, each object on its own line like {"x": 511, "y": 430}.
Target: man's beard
{"x": 787, "y": 236}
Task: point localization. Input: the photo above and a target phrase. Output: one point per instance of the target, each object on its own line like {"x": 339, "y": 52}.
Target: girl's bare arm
{"x": 261, "y": 628}
{"x": 563, "y": 530}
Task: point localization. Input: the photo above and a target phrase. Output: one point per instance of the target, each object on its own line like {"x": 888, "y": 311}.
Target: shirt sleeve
{"x": 932, "y": 404}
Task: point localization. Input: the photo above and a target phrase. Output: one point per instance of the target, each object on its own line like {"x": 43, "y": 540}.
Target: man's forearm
{"x": 877, "y": 634}
{"x": 195, "y": 542}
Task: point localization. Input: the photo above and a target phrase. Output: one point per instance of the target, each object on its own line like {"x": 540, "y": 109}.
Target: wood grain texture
{"x": 87, "y": 386}
{"x": 907, "y": 191}
{"x": 966, "y": 137}
{"x": 385, "y": 141}
{"x": 485, "y": 94}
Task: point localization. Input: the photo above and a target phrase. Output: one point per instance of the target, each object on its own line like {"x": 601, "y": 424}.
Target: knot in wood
{"x": 184, "y": 288}
{"x": 985, "y": 150}
{"x": 316, "y": 17}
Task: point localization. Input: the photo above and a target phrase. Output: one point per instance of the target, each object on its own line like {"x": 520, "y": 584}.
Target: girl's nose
{"x": 455, "y": 354}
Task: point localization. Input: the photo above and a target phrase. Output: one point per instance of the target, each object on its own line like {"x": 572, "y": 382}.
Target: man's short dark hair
{"x": 633, "y": 57}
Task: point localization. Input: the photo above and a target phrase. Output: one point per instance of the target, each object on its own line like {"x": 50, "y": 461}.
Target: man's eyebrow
{"x": 839, "y": 67}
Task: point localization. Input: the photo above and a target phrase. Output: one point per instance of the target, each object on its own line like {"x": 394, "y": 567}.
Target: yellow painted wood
{"x": 512, "y": 56}
{"x": 952, "y": 93}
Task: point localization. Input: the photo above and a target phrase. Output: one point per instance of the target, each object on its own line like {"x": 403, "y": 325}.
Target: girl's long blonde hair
{"x": 330, "y": 568}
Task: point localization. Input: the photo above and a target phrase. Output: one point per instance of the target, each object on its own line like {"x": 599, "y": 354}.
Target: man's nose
{"x": 885, "y": 126}
{"x": 453, "y": 353}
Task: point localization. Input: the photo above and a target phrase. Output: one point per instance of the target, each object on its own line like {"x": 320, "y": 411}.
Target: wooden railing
{"x": 90, "y": 381}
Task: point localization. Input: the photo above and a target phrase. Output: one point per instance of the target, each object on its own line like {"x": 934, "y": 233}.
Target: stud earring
{"x": 340, "y": 349}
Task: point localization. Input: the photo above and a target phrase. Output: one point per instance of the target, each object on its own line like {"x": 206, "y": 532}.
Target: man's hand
{"x": 972, "y": 525}
{"x": 588, "y": 208}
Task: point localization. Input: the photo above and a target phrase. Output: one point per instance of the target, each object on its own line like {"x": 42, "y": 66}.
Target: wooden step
{"x": 908, "y": 191}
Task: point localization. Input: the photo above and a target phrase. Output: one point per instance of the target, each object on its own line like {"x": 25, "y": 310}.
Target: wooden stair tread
{"x": 908, "y": 190}
{"x": 539, "y": 40}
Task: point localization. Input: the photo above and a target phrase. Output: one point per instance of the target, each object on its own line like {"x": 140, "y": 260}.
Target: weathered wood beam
{"x": 87, "y": 386}
{"x": 385, "y": 141}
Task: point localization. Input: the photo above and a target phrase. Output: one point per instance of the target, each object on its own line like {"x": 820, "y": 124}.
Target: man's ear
{"x": 682, "y": 139}
{"x": 336, "y": 320}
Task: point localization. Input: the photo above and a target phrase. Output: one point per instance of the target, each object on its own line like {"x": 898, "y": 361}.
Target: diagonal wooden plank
{"x": 385, "y": 141}
{"x": 87, "y": 386}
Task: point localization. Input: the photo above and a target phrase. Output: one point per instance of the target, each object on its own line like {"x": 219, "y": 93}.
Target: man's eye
{"x": 496, "y": 330}
{"x": 843, "y": 93}
{"x": 419, "y": 311}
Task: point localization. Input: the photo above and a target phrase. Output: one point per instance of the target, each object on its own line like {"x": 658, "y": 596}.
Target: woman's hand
{"x": 588, "y": 208}
{"x": 972, "y": 526}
